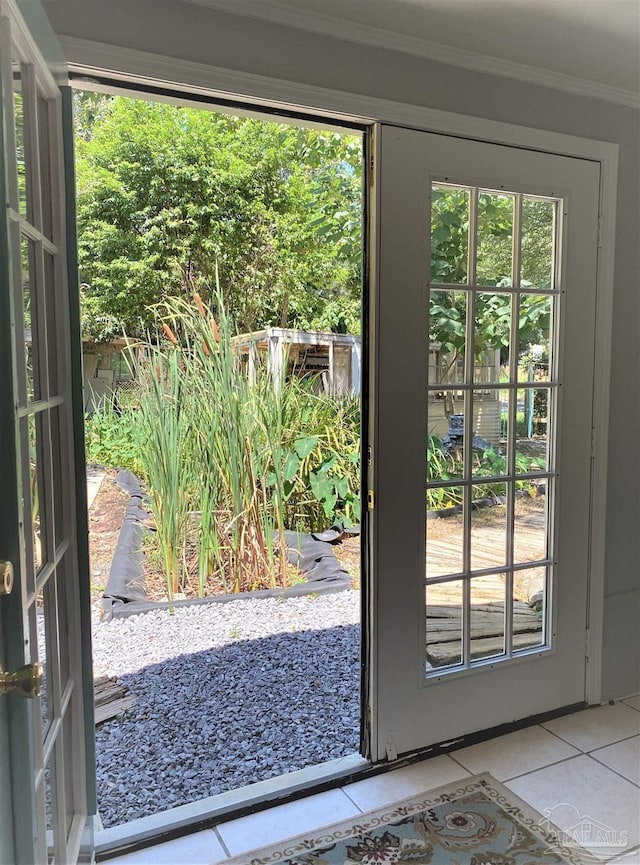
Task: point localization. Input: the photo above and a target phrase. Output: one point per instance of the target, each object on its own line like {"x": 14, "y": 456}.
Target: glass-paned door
{"x": 42, "y": 769}
{"x": 487, "y": 278}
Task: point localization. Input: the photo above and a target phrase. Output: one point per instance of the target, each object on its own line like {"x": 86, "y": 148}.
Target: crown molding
{"x": 365, "y": 34}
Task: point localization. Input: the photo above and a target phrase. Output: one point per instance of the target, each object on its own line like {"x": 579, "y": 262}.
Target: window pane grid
{"x": 491, "y": 473}
{"x": 507, "y": 290}
{"x": 489, "y": 572}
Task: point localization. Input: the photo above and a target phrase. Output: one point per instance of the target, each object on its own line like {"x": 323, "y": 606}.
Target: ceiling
{"x": 593, "y": 40}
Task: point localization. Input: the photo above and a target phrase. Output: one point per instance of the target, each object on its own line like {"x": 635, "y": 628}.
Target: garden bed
{"x": 312, "y": 564}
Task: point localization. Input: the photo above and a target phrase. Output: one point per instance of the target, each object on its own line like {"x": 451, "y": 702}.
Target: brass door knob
{"x": 6, "y": 578}
{"x": 26, "y": 682}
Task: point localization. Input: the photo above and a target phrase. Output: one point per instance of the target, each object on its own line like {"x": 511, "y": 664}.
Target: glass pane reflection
{"x": 529, "y": 607}
{"x": 538, "y": 234}
{"x": 534, "y": 336}
{"x": 35, "y": 492}
{"x": 447, "y": 336}
{"x": 495, "y": 239}
{"x": 487, "y": 596}
{"x": 444, "y": 624}
{"x": 30, "y": 319}
{"x": 19, "y": 130}
{"x": 449, "y": 234}
{"x": 445, "y": 534}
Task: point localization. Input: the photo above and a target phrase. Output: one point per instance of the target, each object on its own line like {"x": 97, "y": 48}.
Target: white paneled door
{"x": 43, "y": 789}
{"x": 482, "y": 469}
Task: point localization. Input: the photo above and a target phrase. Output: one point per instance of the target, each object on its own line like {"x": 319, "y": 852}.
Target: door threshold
{"x": 174, "y": 822}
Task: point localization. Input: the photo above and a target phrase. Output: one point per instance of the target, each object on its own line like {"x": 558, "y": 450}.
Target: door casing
{"x": 136, "y": 66}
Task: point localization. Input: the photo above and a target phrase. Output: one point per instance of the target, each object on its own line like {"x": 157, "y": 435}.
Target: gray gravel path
{"x": 228, "y": 694}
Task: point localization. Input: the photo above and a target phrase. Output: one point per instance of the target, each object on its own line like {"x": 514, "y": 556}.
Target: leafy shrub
{"x": 442, "y": 466}
{"x": 113, "y": 438}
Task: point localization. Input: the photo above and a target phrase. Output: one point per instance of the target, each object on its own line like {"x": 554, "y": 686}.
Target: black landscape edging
{"x": 490, "y": 502}
{"x": 125, "y": 593}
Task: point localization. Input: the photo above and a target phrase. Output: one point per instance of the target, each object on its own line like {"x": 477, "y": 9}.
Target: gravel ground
{"x": 228, "y": 694}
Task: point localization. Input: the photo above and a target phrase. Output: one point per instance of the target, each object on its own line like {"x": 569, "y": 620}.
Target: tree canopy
{"x": 450, "y": 226}
{"x": 173, "y": 200}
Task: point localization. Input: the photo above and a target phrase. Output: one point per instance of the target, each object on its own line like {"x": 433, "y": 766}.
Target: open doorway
{"x": 221, "y": 289}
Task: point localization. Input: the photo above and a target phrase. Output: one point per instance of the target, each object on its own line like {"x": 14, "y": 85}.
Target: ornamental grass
{"x": 232, "y": 462}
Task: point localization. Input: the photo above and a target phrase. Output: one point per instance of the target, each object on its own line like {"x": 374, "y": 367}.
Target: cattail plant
{"x": 231, "y": 463}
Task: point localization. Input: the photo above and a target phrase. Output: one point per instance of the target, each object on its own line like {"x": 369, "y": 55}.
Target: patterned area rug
{"x": 476, "y": 821}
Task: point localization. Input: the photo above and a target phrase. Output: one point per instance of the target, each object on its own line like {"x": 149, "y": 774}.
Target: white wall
{"x": 202, "y": 35}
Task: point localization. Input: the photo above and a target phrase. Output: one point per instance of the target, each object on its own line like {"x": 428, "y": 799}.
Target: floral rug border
{"x": 518, "y": 810}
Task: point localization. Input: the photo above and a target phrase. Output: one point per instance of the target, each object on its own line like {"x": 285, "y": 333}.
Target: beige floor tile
{"x": 623, "y": 757}
{"x": 596, "y": 727}
{"x": 201, "y": 848}
{"x": 285, "y": 821}
{"x": 582, "y": 795}
{"x": 381, "y": 790}
{"x": 516, "y": 753}
{"x": 633, "y": 701}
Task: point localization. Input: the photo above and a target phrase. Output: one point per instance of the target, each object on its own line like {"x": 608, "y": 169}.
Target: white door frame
{"x": 140, "y": 67}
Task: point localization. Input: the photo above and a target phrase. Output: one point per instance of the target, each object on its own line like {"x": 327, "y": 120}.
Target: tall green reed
{"x": 232, "y": 462}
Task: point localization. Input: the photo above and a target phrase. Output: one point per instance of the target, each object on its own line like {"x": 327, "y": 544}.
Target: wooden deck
{"x": 444, "y": 632}
{"x": 488, "y": 544}
{"x": 488, "y": 541}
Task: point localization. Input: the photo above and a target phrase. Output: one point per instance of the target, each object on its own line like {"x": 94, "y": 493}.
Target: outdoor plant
{"x": 322, "y": 464}
{"x": 231, "y": 463}
{"x": 112, "y": 437}
{"x": 489, "y": 463}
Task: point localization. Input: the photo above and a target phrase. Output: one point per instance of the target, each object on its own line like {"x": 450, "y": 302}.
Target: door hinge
{"x": 371, "y": 500}
{"x": 391, "y": 751}
{"x": 369, "y": 455}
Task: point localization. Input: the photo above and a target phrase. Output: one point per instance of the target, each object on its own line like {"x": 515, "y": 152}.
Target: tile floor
{"x": 585, "y": 765}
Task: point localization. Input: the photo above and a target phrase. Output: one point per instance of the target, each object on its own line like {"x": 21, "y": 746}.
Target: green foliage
{"x": 113, "y": 438}
{"x": 165, "y": 193}
{"x": 489, "y": 463}
{"x": 449, "y": 235}
{"x": 322, "y": 466}
{"x": 231, "y": 463}
{"x": 449, "y": 264}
